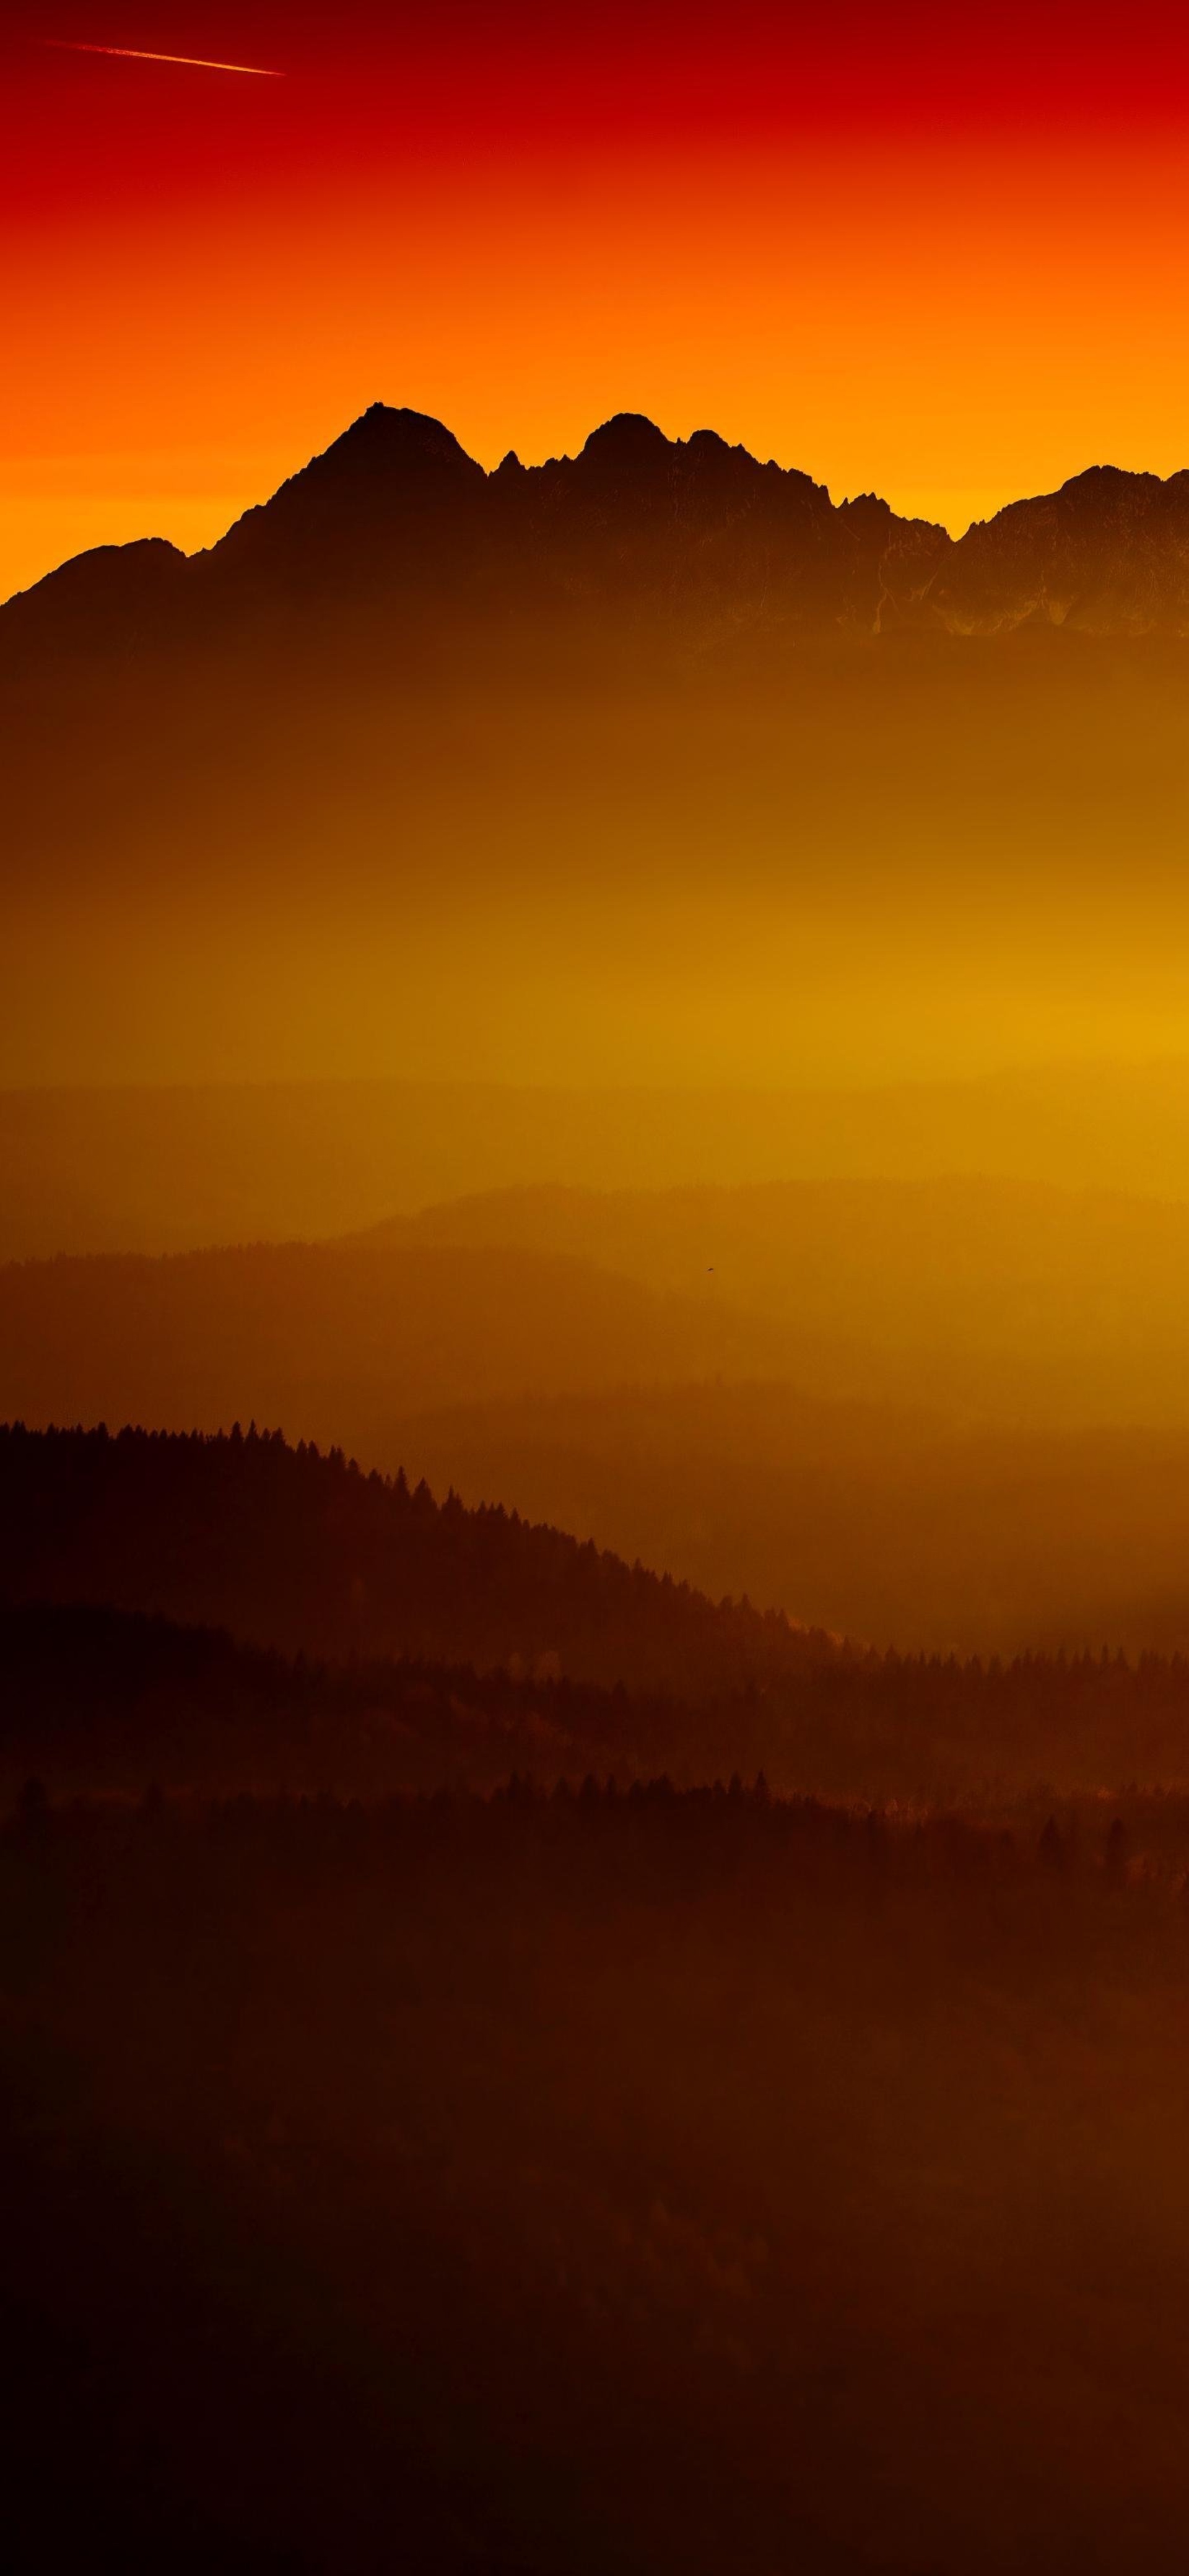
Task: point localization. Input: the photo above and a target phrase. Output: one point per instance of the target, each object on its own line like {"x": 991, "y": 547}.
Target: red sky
{"x": 938, "y": 252}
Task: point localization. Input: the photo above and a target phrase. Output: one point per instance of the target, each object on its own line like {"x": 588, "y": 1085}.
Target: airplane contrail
{"x": 134, "y": 54}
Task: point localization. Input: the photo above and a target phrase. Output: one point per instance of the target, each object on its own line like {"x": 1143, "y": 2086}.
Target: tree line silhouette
{"x": 302, "y": 1550}
{"x": 92, "y": 1696}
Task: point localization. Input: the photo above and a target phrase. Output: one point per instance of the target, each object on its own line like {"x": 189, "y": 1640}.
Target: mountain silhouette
{"x": 1107, "y": 554}
{"x": 114, "y": 598}
{"x": 394, "y": 501}
{"x": 458, "y": 743}
{"x": 637, "y": 524}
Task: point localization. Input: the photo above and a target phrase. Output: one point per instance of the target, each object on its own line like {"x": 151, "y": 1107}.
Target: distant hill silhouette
{"x": 1002, "y": 1298}
{"x": 1009, "y": 1302}
{"x": 336, "y": 1341}
{"x": 139, "y": 1170}
{"x": 945, "y": 1413}
{"x": 291, "y": 1549}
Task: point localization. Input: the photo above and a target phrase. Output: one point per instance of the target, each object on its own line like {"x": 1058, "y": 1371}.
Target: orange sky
{"x": 945, "y": 261}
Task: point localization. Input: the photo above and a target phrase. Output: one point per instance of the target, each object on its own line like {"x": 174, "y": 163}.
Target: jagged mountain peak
{"x": 141, "y": 561}
{"x": 110, "y": 597}
{"x": 395, "y": 434}
{"x": 1107, "y": 553}
{"x": 1097, "y": 491}
{"x": 1111, "y": 482}
{"x": 393, "y": 474}
{"x": 627, "y": 436}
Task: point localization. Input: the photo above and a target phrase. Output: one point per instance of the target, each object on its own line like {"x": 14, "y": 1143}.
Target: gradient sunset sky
{"x": 936, "y": 252}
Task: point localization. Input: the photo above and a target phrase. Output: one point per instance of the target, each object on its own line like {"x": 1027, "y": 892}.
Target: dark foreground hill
{"x": 116, "y": 1701}
{"x": 634, "y": 2186}
{"x": 295, "y": 1550}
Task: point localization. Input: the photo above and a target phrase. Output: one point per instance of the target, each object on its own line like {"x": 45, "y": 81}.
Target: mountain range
{"x": 637, "y": 528}
{"x": 406, "y": 771}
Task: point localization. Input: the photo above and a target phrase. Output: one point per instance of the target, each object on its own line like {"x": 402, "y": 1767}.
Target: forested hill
{"x": 96, "y": 1701}
{"x": 293, "y": 1549}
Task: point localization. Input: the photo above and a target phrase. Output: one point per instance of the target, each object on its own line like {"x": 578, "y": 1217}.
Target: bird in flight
{"x": 135, "y": 54}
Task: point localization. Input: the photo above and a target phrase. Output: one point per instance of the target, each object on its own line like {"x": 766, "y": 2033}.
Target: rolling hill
{"x": 984, "y": 1301}
{"x": 294, "y": 1550}
{"x": 335, "y": 1341}
{"x": 1001, "y": 1299}
{"x": 950, "y": 1414}
{"x": 883, "y": 1523}
{"x": 135, "y": 1169}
